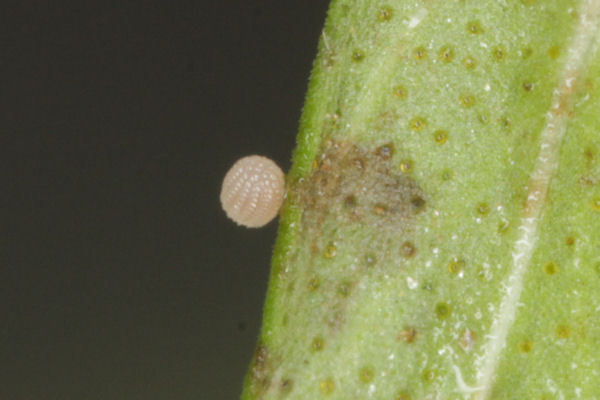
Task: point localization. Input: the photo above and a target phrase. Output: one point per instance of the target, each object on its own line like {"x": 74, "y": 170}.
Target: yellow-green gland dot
{"x": 384, "y": 14}
{"x": 358, "y": 55}
{"x": 469, "y": 62}
{"x": 446, "y": 54}
{"x": 417, "y": 124}
{"x": 406, "y": 166}
{"x": 400, "y": 92}
{"x": 290, "y": 286}
{"x": 442, "y": 310}
{"x": 550, "y": 268}
{"x": 456, "y": 266}
{"x": 563, "y": 331}
{"x": 467, "y": 101}
{"x": 327, "y": 386}
{"x": 313, "y": 284}
{"x": 474, "y": 27}
{"x": 370, "y": 260}
{"x": 440, "y": 136}
{"x": 598, "y": 268}
{"x": 350, "y": 201}
{"x": 386, "y": 151}
{"x": 408, "y": 249}
{"x": 286, "y": 386}
{"x": 419, "y": 53}
{"x": 379, "y": 209}
{"x": 481, "y": 275}
{"x": 484, "y": 118}
{"x": 526, "y": 52}
{"x": 317, "y": 344}
{"x": 525, "y": 346}
{"x": 596, "y": 204}
{"x": 504, "y": 122}
{"x": 503, "y": 226}
{"x": 428, "y": 375}
{"x": 344, "y": 289}
{"x": 418, "y": 203}
{"x": 499, "y": 53}
{"x": 330, "y": 251}
{"x": 554, "y": 52}
{"x": 367, "y": 374}
{"x": 447, "y": 174}
{"x": 483, "y": 209}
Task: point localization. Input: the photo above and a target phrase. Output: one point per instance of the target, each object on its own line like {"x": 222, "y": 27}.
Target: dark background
{"x": 120, "y": 276}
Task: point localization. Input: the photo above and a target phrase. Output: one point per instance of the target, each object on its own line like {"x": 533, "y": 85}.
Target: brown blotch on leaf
{"x": 365, "y": 181}
{"x": 354, "y": 186}
{"x": 261, "y": 370}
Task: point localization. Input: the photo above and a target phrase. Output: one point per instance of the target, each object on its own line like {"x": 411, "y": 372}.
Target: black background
{"x": 120, "y": 276}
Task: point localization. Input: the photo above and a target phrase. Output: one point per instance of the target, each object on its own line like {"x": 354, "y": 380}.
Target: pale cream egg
{"x": 252, "y": 191}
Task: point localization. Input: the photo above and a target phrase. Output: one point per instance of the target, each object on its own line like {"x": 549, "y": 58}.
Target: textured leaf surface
{"x": 440, "y": 236}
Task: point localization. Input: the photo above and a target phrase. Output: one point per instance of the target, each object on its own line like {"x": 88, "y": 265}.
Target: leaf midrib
{"x": 585, "y": 39}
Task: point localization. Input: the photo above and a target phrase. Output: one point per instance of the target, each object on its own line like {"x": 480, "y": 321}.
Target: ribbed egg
{"x": 253, "y": 191}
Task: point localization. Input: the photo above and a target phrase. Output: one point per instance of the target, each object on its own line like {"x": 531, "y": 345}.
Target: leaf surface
{"x": 440, "y": 235}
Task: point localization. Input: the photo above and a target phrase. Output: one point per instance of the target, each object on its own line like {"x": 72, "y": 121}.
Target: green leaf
{"x": 440, "y": 238}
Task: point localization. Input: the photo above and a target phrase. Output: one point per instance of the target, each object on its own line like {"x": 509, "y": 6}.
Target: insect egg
{"x": 253, "y": 191}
